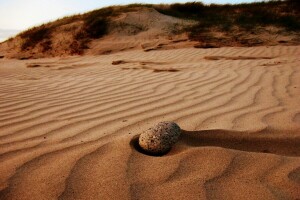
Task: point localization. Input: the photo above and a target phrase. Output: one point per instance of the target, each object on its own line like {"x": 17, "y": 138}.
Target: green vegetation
{"x": 244, "y": 16}
{"x": 295, "y": 4}
{"x": 190, "y": 10}
{"x": 42, "y": 34}
{"x": 96, "y": 22}
{"x": 34, "y": 35}
{"x": 225, "y": 18}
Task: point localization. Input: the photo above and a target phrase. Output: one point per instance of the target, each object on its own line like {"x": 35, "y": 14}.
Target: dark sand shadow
{"x": 261, "y": 142}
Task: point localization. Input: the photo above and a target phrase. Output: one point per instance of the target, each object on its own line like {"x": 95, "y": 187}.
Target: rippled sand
{"x": 68, "y": 125}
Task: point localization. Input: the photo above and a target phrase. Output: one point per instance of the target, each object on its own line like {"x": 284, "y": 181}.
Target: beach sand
{"x": 69, "y": 126}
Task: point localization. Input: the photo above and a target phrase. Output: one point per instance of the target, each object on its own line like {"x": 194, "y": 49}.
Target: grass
{"x": 225, "y": 18}
{"x": 190, "y": 10}
{"x": 96, "y": 27}
{"x": 96, "y": 23}
{"x": 246, "y": 16}
{"x": 34, "y": 35}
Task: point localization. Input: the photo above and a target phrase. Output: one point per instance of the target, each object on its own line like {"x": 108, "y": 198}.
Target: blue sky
{"x": 17, "y": 15}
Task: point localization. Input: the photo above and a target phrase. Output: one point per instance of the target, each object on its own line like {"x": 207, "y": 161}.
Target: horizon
{"x": 15, "y": 18}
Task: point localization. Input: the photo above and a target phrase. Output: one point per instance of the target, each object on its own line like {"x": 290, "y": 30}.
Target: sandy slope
{"x": 142, "y": 28}
{"x": 68, "y": 125}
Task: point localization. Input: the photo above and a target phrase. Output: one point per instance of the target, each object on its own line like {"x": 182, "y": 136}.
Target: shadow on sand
{"x": 262, "y": 141}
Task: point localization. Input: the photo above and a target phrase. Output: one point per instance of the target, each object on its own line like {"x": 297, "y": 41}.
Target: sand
{"x": 68, "y": 126}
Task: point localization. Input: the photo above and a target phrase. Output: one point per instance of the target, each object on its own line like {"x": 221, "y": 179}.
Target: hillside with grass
{"x": 150, "y": 27}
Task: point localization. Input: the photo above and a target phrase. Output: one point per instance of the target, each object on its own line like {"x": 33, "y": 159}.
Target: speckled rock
{"x": 160, "y": 138}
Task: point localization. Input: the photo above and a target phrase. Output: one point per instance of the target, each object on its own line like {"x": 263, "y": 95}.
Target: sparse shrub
{"x": 246, "y": 15}
{"x": 96, "y": 27}
{"x": 295, "y": 4}
{"x": 64, "y": 21}
{"x": 80, "y": 42}
{"x": 75, "y": 48}
{"x": 103, "y": 12}
{"x": 46, "y": 45}
{"x": 34, "y": 35}
{"x": 80, "y": 35}
{"x": 190, "y": 10}
{"x": 289, "y": 22}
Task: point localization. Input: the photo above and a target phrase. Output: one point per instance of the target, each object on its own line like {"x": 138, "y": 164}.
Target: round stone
{"x": 160, "y": 138}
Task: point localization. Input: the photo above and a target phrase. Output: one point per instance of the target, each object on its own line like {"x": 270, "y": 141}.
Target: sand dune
{"x": 68, "y": 126}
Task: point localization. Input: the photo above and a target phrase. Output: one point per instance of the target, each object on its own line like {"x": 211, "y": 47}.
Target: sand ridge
{"x": 68, "y": 125}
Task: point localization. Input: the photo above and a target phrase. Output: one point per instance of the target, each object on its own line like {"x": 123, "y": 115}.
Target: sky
{"x": 18, "y": 15}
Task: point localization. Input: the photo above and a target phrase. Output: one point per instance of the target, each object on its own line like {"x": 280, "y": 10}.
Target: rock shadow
{"x": 262, "y": 141}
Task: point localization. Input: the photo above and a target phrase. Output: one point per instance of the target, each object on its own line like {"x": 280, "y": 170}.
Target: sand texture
{"x": 69, "y": 126}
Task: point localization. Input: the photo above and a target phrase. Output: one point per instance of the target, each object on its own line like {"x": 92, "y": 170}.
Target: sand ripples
{"x": 66, "y": 133}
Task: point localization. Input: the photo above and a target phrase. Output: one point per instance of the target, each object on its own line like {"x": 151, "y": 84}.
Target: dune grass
{"x": 246, "y": 16}
{"x": 34, "y": 35}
